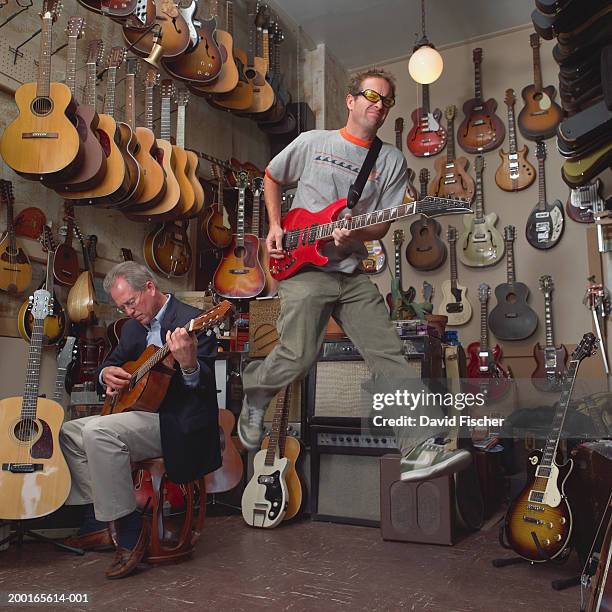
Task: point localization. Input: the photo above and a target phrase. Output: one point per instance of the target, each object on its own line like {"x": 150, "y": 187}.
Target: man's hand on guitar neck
{"x": 184, "y": 348}
{"x": 343, "y": 237}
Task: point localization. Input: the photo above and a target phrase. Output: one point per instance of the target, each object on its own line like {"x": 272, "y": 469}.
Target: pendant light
{"x": 425, "y": 65}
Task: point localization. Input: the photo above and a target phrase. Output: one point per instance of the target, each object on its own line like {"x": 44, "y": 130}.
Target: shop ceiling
{"x": 364, "y": 32}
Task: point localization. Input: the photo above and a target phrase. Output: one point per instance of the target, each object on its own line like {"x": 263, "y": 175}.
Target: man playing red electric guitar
{"x": 325, "y": 164}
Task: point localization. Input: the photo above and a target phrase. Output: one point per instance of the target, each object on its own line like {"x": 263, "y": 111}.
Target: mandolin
{"x": 540, "y": 114}
{"x": 66, "y": 262}
{"x": 229, "y": 474}
{"x": 455, "y": 303}
{"x": 152, "y": 371}
{"x": 481, "y": 243}
{"x": 82, "y": 303}
{"x": 34, "y": 478}
{"x": 583, "y": 201}
{"x": 167, "y": 250}
{"x": 515, "y": 172}
{"x": 54, "y": 326}
{"x": 271, "y": 285}
{"x": 426, "y": 136}
{"x": 16, "y": 270}
{"x": 425, "y": 251}
{"x": 481, "y": 130}
{"x": 42, "y": 142}
{"x": 512, "y": 318}
{"x": 215, "y": 224}
{"x": 538, "y": 523}
{"x": 546, "y": 222}
{"x": 485, "y": 374}
{"x": 239, "y": 274}
{"x": 451, "y": 179}
{"x": 550, "y": 359}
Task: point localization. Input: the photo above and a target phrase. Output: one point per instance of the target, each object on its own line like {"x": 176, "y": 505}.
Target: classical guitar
{"x": 481, "y": 243}
{"x": 258, "y": 227}
{"x": 540, "y": 114}
{"x": 152, "y": 371}
{"x": 512, "y": 318}
{"x": 167, "y": 250}
{"x": 215, "y": 224}
{"x": 481, "y": 130}
{"x": 397, "y": 298}
{"x": 93, "y": 166}
{"x": 15, "y": 267}
{"x": 451, "y": 179}
{"x": 583, "y": 201}
{"x": 42, "y": 142}
{"x": 546, "y": 222}
{"x": 425, "y": 251}
{"x": 66, "y": 262}
{"x": 229, "y": 474}
{"x": 266, "y": 498}
{"x": 455, "y": 303}
{"x": 305, "y": 232}
{"x": 485, "y": 374}
{"x": 54, "y": 326}
{"x": 239, "y": 274}
{"x": 426, "y": 136}
{"x": 34, "y": 478}
{"x": 538, "y": 524}
{"x": 550, "y": 359}
{"x": 515, "y": 171}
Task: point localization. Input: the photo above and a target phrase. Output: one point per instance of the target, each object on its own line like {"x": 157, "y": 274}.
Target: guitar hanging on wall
{"x": 455, "y": 303}
{"x": 426, "y": 137}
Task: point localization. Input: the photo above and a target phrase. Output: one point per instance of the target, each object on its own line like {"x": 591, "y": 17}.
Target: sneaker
{"x": 432, "y": 459}
{"x": 250, "y": 425}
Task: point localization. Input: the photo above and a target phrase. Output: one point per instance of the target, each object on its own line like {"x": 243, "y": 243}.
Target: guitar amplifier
{"x": 263, "y": 315}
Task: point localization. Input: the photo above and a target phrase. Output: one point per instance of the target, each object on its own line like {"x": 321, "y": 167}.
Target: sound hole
{"x": 26, "y": 430}
{"x": 511, "y": 298}
{"x": 42, "y": 106}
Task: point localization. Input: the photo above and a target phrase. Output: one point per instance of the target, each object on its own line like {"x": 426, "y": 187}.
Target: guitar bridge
{"x": 22, "y": 468}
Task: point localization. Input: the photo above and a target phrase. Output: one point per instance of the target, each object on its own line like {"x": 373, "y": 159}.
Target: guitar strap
{"x": 356, "y": 188}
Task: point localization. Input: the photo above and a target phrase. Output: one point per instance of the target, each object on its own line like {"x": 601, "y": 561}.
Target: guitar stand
{"x": 21, "y": 531}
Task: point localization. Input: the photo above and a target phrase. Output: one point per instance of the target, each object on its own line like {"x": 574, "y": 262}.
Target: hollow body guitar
{"x": 538, "y": 524}
{"x": 426, "y": 136}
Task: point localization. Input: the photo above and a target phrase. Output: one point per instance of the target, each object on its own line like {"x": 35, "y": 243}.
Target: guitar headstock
{"x": 151, "y": 78}
{"x": 484, "y": 291}
{"x": 510, "y": 98}
{"x": 428, "y": 291}
{"x": 534, "y": 40}
{"x": 546, "y": 284}
{"x": 278, "y": 35}
{"x": 75, "y": 27}
{"x": 67, "y": 353}
{"x": 262, "y": 19}
{"x": 451, "y": 234}
{"x": 167, "y": 88}
{"x": 211, "y": 317}
{"x": 399, "y": 125}
{"x": 131, "y": 66}
{"x": 258, "y": 185}
{"x": 116, "y": 57}
{"x": 51, "y": 9}
{"x": 479, "y": 164}
{"x": 182, "y": 96}
{"x": 398, "y": 237}
{"x": 6, "y": 192}
{"x": 541, "y": 150}
{"x": 477, "y": 56}
{"x": 586, "y": 348}
{"x": 424, "y": 176}
{"x": 509, "y": 233}
{"x": 242, "y": 180}
{"x": 46, "y": 239}
{"x": 95, "y": 52}
{"x": 450, "y": 111}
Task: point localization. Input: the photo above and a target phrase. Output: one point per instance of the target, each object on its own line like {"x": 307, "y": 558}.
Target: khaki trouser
{"x": 99, "y": 451}
{"x": 308, "y": 299}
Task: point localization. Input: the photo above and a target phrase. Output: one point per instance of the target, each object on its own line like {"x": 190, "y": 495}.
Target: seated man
{"x": 100, "y": 449}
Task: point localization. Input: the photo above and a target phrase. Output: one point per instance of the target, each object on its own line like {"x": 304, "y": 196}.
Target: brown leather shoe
{"x": 96, "y": 540}
{"x": 125, "y": 560}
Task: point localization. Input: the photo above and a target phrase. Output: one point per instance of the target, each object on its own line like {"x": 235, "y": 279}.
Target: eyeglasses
{"x": 129, "y": 304}
{"x": 373, "y": 96}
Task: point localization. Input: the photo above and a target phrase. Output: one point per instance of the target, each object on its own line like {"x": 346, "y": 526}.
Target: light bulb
{"x": 425, "y": 65}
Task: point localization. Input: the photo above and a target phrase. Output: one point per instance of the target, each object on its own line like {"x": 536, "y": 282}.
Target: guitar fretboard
{"x": 510, "y": 261}
{"x": 511, "y": 133}
{"x": 450, "y": 144}
{"x": 89, "y": 95}
{"x": 165, "y": 130}
{"x": 109, "y": 100}
{"x": 477, "y": 81}
{"x": 479, "y": 199}
{"x": 71, "y": 54}
{"x": 149, "y": 106}
{"x": 43, "y": 85}
{"x": 278, "y": 433}
{"x": 541, "y": 184}
{"x": 30, "y": 391}
{"x": 180, "y": 125}
{"x": 548, "y": 320}
{"x": 452, "y": 247}
{"x": 240, "y": 216}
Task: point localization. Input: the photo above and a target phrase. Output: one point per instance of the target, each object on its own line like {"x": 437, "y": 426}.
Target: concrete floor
{"x": 301, "y": 566}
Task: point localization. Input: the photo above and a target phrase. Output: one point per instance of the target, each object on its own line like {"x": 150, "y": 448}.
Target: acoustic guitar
{"x": 215, "y": 224}
{"x": 512, "y": 318}
{"x": 550, "y": 359}
{"x": 515, "y": 171}
{"x": 451, "y": 179}
{"x": 16, "y": 270}
{"x": 538, "y": 524}
{"x": 42, "y": 142}
{"x": 426, "y": 136}
{"x": 229, "y": 474}
{"x": 455, "y": 303}
{"x": 546, "y": 222}
{"x": 540, "y": 114}
{"x": 34, "y": 478}
{"x": 167, "y": 250}
{"x": 481, "y": 130}
{"x": 271, "y": 284}
{"x": 152, "y": 371}
{"x": 481, "y": 243}
{"x": 66, "y": 262}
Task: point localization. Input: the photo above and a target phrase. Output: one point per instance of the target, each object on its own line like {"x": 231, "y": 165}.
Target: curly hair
{"x": 354, "y": 85}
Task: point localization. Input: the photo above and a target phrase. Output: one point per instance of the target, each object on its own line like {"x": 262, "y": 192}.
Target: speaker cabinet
{"x": 415, "y": 511}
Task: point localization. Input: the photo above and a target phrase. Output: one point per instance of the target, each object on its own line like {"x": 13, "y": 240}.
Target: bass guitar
{"x": 481, "y": 243}
{"x": 540, "y": 115}
{"x": 538, "y": 524}
{"x": 306, "y": 232}
{"x": 15, "y": 268}
{"x": 550, "y": 359}
{"x": 485, "y": 374}
{"x": 546, "y": 222}
{"x": 152, "y": 371}
{"x": 481, "y": 130}
{"x": 34, "y": 478}
{"x": 451, "y": 179}
{"x": 515, "y": 172}
{"x": 426, "y": 136}
{"x": 512, "y": 318}
{"x": 455, "y": 303}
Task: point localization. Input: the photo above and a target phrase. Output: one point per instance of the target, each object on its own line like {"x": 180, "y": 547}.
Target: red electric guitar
{"x": 427, "y": 136}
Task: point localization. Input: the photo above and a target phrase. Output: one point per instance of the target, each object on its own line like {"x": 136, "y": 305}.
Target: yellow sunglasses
{"x": 373, "y": 96}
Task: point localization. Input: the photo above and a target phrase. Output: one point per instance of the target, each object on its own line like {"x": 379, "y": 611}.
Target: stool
{"x": 170, "y": 541}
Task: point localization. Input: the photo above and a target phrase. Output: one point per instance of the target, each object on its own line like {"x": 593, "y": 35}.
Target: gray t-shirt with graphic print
{"x": 325, "y": 163}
